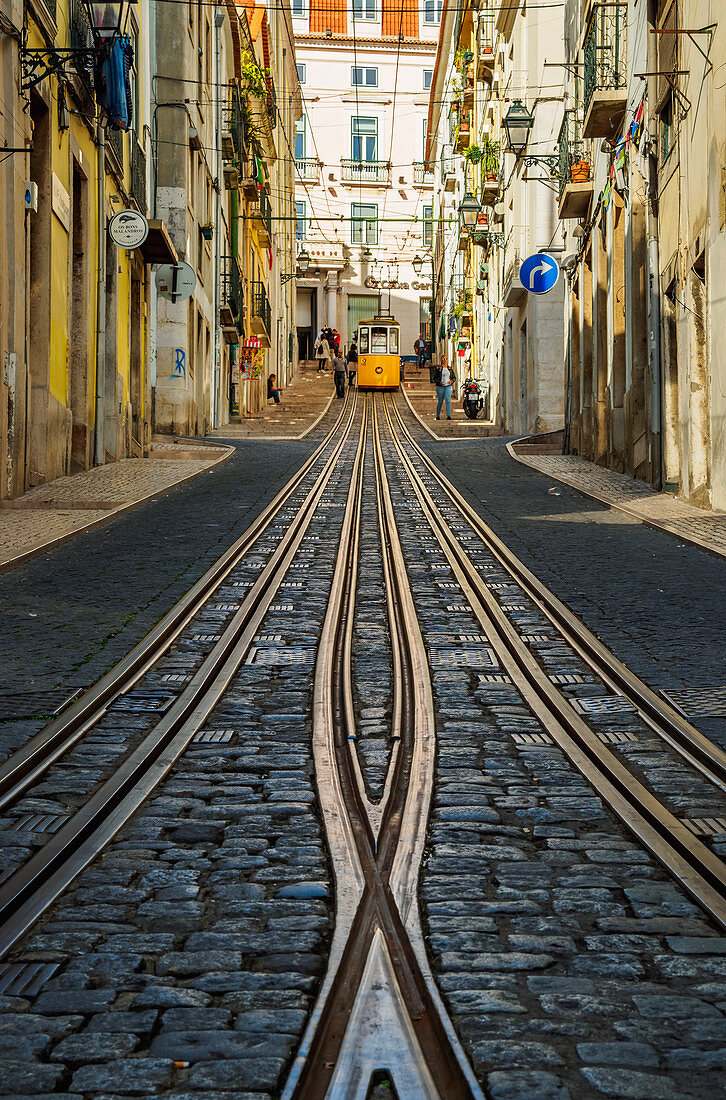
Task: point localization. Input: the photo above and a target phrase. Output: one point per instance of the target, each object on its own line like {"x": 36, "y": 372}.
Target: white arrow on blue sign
{"x": 539, "y": 273}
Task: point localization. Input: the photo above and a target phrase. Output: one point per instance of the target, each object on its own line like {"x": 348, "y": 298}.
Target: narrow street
{"x": 365, "y": 811}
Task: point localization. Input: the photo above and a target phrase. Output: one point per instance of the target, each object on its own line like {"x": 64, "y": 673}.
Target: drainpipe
{"x": 654, "y": 314}
{"x": 101, "y": 299}
{"x": 216, "y": 373}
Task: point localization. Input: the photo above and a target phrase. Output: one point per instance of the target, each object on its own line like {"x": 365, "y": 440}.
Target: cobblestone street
{"x": 194, "y": 956}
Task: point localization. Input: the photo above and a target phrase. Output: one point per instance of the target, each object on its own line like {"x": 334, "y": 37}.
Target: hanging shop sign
{"x": 176, "y": 281}
{"x": 128, "y": 229}
{"x": 251, "y": 354}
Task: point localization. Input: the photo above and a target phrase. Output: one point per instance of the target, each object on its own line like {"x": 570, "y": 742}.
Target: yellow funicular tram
{"x": 379, "y": 356}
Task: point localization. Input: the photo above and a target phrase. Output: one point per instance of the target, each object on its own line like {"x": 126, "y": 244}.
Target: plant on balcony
{"x": 473, "y": 154}
{"x": 462, "y": 58}
{"x": 207, "y": 230}
{"x": 491, "y": 159}
{"x": 253, "y": 78}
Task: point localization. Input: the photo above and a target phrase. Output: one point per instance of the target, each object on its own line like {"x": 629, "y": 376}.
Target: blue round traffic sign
{"x": 539, "y": 273}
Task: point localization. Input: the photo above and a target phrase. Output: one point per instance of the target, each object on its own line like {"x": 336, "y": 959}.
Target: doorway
{"x": 82, "y": 448}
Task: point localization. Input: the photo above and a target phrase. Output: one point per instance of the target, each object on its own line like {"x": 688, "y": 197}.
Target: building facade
{"x": 364, "y": 194}
{"x": 489, "y": 58}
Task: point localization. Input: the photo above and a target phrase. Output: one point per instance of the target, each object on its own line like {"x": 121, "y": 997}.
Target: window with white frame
{"x": 300, "y": 139}
{"x": 364, "y": 138}
{"x": 365, "y": 9}
{"x": 301, "y": 71}
{"x": 428, "y": 220}
{"x": 364, "y": 223}
{"x": 432, "y": 11}
{"x": 428, "y": 78}
{"x": 298, "y": 8}
{"x": 364, "y": 77}
{"x": 300, "y": 220}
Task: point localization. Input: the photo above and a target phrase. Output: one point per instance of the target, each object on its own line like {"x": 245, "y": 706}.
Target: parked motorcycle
{"x": 473, "y": 399}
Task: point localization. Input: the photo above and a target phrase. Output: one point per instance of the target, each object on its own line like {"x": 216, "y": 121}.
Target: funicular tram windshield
{"x": 379, "y": 340}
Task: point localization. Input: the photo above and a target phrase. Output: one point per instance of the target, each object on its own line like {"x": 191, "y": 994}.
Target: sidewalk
{"x": 633, "y": 498}
{"x": 302, "y": 404}
{"x": 421, "y": 397}
{"x": 52, "y": 513}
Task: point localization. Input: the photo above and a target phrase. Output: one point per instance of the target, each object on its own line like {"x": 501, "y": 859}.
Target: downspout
{"x": 216, "y": 373}
{"x": 100, "y": 454}
{"x": 654, "y": 313}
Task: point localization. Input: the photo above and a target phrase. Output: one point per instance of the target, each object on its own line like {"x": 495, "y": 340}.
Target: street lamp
{"x": 417, "y": 264}
{"x": 104, "y": 21}
{"x": 518, "y": 122}
{"x": 303, "y": 263}
{"x": 469, "y": 208}
{"x": 108, "y": 17}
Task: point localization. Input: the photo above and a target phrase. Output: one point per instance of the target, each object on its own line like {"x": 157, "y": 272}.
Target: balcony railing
{"x": 230, "y": 310}
{"x": 138, "y": 175}
{"x": 366, "y": 171}
{"x": 262, "y": 214}
{"x": 604, "y": 52}
{"x": 81, "y": 37}
{"x": 485, "y": 48}
{"x": 574, "y": 170}
{"x": 260, "y": 308}
{"x": 307, "y": 168}
{"x": 423, "y": 174}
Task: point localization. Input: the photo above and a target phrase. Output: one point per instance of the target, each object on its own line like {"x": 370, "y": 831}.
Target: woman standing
{"x": 352, "y": 361}
{"x": 444, "y": 380}
{"x": 322, "y": 352}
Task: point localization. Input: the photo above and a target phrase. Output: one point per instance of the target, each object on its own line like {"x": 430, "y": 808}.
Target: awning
{"x": 158, "y": 248}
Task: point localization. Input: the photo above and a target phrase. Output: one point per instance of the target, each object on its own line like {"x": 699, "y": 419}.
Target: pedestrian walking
{"x": 420, "y": 348}
{"x": 272, "y": 390}
{"x": 352, "y": 361}
{"x": 322, "y": 352}
{"x": 444, "y": 382}
{"x": 336, "y": 341}
{"x": 339, "y": 376}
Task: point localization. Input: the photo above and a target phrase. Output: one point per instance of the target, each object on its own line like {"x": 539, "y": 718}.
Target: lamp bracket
{"x": 551, "y": 160}
{"x": 38, "y": 64}
{"x": 286, "y": 278}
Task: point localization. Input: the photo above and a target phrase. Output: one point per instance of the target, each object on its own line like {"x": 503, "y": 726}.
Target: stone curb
{"x": 631, "y": 513}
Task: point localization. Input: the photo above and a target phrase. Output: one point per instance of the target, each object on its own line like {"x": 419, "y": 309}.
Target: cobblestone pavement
{"x": 634, "y": 498}
{"x": 307, "y": 396}
{"x": 51, "y": 513}
{"x": 654, "y": 601}
{"x": 421, "y": 397}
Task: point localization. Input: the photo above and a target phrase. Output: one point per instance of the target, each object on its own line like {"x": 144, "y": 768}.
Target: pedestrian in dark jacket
{"x": 352, "y": 361}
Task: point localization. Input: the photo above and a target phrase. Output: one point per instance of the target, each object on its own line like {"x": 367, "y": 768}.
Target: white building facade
{"x": 364, "y": 198}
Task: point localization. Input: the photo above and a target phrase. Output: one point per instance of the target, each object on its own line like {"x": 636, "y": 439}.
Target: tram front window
{"x": 363, "y": 341}
{"x": 379, "y": 341}
{"x": 393, "y": 341}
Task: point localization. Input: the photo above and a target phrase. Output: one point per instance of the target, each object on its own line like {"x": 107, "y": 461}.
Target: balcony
{"x": 423, "y": 174}
{"x": 307, "y": 169}
{"x": 462, "y": 133}
{"x": 575, "y": 172}
{"x": 138, "y": 176}
{"x": 465, "y": 237}
{"x": 485, "y": 49}
{"x": 260, "y": 316}
{"x": 374, "y": 172}
{"x": 480, "y": 232}
{"x": 230, "y": 308}
{"x": 261, "y": 213}
{"x": 605, "y": 76}
{"x": 448, "y": 173}
{"x": 514, "y": 292}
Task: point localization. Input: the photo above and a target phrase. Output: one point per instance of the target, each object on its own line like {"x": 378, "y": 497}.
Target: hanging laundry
{"x": 113, "y": 83}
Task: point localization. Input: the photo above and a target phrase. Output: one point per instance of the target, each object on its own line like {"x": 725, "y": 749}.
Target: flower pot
{"x": 579, "y": 171}
{"x": 207, "y": 232}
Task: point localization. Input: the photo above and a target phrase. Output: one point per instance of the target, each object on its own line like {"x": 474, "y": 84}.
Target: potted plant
{"x": 207, "y": 230}
{"x": 579, "y": 170}
{"x": 473, "y": 154}
{"x": 491, "y": 159}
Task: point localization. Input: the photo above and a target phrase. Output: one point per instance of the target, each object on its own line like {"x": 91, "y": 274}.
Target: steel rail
{"x": 370, "y": 915}
{"x": 30, "y": 762}
{"x": 698, "y": 870}
{"x": 701, "y": 753}
{"x": 26, "y": 894}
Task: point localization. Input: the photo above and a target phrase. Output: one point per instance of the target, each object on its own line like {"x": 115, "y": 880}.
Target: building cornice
{"x": 416, "y": 45}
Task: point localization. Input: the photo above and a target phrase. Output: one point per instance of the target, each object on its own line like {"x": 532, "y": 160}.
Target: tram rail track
{"x": 27, "y": 892}
{"x": 700, "y": 872}
{"x": 29, "y": 763}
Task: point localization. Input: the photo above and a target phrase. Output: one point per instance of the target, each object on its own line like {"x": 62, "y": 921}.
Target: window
{"x": 367, "y": 78}
{"x": 364, "y": 138}
{"x": 363, "y": 340}
{"x": 300, "y": 220}
{"x": 379, "y": 341}
{"x": 364, "y": 224}
{"x": 301, "y": 72}
{"x": 428, "y": 218}
{"x": 300, "y": 139}
{"x": 365, "y": 9}
{"x": 297, "y": 7}
{"x": 423, "y": 146}
{"x": 428, "y": 77}
{"x": 393, "y": 341}
{"x": 432, "y": 11}
{"x": 666, "y": 123}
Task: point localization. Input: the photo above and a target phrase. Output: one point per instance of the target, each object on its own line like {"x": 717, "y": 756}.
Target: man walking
{"x": 339, "y": 375}
{"x": 420, "y": 348}
{"x": 444, "y": 381}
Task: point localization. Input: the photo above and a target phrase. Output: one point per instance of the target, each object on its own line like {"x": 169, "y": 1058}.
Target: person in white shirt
{"x": 444, "y": 380}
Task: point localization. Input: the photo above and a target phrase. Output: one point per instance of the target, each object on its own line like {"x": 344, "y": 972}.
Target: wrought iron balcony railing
{"x": 366, "y": 171}
{"x": 260, "y": 305}
{"x": 574, "y": 163}
{"x": 604, "y": 52}
{"x": 138, "y": 175}
{"x": 307, "y": 168}
{"x": 423, "y": 174}
{"x": 230, "y": 311}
